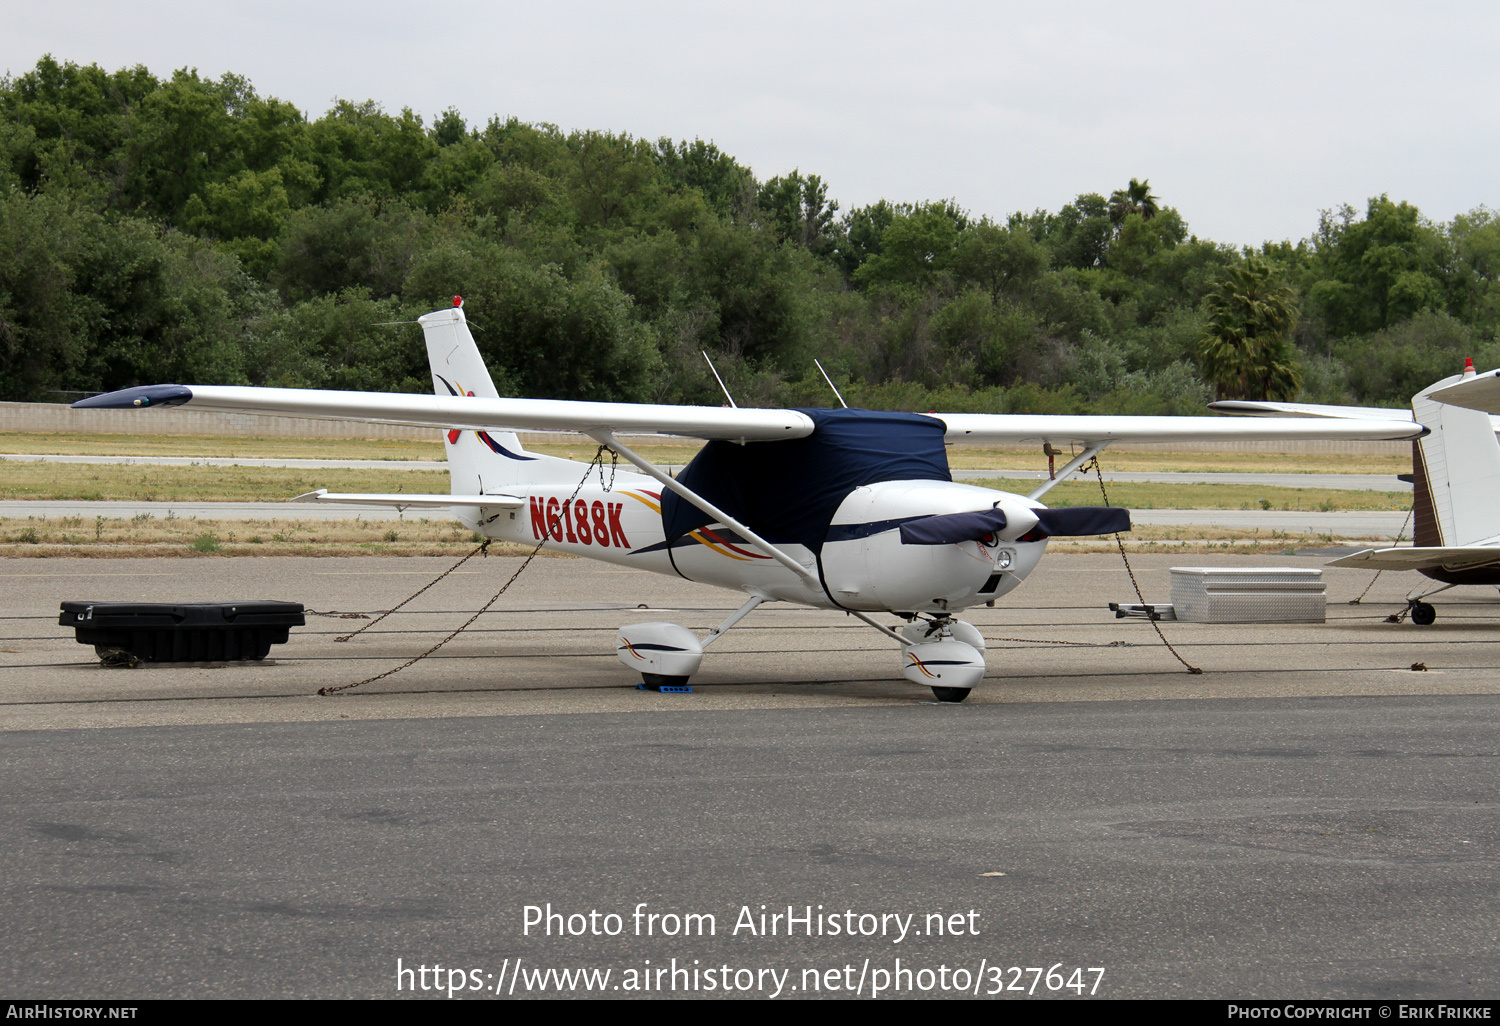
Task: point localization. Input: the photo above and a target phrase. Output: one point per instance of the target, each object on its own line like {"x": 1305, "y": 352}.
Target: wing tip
{"x": 139, "y": 397}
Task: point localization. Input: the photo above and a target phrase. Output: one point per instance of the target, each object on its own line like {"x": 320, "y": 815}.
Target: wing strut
{"x": 1062, "y": 475}
{"x": 606, "y": 437}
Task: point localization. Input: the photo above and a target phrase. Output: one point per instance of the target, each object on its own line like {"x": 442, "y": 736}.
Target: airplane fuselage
{"x": 862, "y": 565}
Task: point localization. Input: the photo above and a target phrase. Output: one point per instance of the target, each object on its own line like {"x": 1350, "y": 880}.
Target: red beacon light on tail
{"x": 458, "y": 301}
{"x": 1468, "y": 366}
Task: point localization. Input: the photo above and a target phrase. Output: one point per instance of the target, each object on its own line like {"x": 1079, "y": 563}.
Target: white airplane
{"x": 1455, "y": 483}
{"x": 838, "y": 509}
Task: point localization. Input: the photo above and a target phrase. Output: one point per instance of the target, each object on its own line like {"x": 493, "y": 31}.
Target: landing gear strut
{"x": 943, "y": 649}
{"x": 1422, "y": 614}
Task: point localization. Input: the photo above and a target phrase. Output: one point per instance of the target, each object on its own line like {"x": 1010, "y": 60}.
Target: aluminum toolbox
{"x": 1260, "y": 594}
{"x": 183, "y": 632}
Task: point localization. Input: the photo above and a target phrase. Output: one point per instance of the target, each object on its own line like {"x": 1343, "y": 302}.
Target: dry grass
{"x": 106, "y": 537}
{"x": 187, "y": 536}
{"x": 145, "y": 483}
{"x": 144, "y": 536}
{"x": 223, "y": 447}
{"x": 1397, "y": 461}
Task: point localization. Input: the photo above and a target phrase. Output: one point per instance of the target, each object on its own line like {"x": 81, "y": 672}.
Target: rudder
{"x": 478, "y": 461}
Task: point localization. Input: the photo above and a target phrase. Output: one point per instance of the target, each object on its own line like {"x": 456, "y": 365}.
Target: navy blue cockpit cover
{"x": 788, "y": 491}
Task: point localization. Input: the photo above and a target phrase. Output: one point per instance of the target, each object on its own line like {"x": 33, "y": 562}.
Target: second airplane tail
{"x": 1455, "y": 473}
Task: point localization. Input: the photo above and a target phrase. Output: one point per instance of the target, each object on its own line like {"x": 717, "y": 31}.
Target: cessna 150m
{"x": 848, "y": 510}
{"x": 1455, "y": 483}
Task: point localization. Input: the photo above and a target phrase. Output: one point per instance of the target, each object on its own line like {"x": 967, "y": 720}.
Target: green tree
{"x": 1246, "y": 351}
{"x": 858, "y": 236}
{"x": 915, "y": 249}
{"x": 1135, "y": 198}
{"x": 726, "y": 186}
{"x": 799, "y": 211}
{"x": 998, "y": 259}
{"x": 1078, "y": 235}
{"x": 1367, "y": 274}
{"x": 353, "y": 242}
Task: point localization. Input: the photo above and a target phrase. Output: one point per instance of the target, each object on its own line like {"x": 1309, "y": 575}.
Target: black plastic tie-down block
{"x": 183, "y": 632}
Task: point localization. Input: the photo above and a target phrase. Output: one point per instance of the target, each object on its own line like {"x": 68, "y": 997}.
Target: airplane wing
{"x": 1409, "y": 558}
{"x": 405, "y": 500}
{"x": 1026, "y": 429}
{"x": 722, "y": 423}
{"x": 467, "y": 412}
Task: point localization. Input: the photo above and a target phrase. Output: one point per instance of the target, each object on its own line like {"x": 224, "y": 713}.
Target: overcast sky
{"x": 1247, "y": 117}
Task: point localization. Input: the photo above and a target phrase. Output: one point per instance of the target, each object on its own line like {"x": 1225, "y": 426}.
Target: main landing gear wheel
{"x": 657, "y": 681}
{"x": 1422, "y": 613}
{"x": 951, "y": 694}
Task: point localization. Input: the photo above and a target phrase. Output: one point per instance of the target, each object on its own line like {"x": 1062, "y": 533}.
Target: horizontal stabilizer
{"x": 1412, "y": 558}
{"x": 1481, "y": 392}
{"x": 403, "y": 500}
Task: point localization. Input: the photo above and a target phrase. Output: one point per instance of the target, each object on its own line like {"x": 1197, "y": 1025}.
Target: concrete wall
{"x": 50, "y": 418}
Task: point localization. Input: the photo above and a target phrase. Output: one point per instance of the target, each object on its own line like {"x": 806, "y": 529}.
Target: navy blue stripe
{"x": 502, "y": 450}
{"x": 485, "y": 435}
{"x": 853, "y": 532}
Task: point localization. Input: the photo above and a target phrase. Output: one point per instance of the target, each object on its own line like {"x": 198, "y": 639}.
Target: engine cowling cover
{"x": 866, "y": 566}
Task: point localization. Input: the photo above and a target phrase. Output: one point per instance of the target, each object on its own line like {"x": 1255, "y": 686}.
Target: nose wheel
{"x": 664, "y": 682}
{"x": 1422, "y": 613}
{"x": 951, "y": 694}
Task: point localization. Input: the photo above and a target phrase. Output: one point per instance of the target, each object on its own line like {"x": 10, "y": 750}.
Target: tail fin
{"x": 1456, "y": 473}
{"x": 478, "y": 461}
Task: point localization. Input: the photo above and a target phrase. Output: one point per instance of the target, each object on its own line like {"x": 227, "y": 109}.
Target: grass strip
{"x": 105, "y": 537}
{"x": 189, "y": 536}
{"x": 1397, "y": 461}
{"x": 144, "y": 483}
{"x": 62, "y": 482}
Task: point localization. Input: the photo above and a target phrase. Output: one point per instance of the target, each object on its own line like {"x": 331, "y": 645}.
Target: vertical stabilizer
{"x": 1456, "y": 475}
{"x": 479, "y": 462}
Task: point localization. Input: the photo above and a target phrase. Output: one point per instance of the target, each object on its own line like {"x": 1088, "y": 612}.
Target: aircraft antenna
{"x": 719, "y": 379}
{"x": 830, "y": 384}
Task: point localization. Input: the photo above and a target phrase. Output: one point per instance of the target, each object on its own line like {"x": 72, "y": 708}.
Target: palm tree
{"x": 1246, "y": 351}
{"x": 1134, "y": 199}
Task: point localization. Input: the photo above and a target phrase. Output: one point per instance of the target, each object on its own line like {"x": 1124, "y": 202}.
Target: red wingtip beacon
{"x": 459, "y": 301}
{"x": 1468, "y": 366}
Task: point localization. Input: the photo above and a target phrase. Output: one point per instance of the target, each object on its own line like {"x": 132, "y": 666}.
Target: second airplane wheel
{"x": 951, "y": 694}
{"x": 1423, "y": 614}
